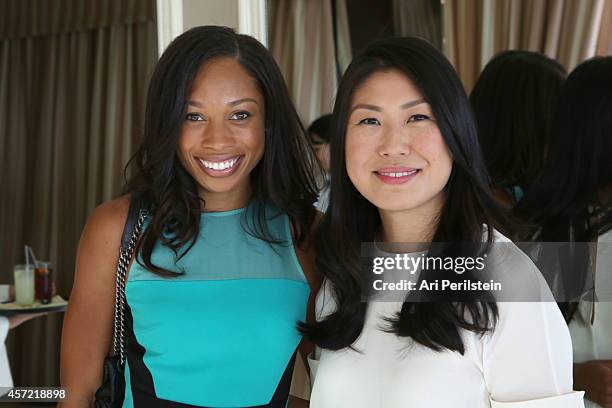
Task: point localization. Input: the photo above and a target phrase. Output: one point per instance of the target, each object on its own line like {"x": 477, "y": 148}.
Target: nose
{"x": 394, "y": 143}
{"x": 217, "y": 135}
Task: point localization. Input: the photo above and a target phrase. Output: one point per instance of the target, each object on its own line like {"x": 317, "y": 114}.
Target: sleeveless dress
{"x": 222, "y": 334}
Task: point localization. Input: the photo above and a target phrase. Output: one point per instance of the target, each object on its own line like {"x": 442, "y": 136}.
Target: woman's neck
{"x": 226, "y": 200}
{"x": 414, "y": 225}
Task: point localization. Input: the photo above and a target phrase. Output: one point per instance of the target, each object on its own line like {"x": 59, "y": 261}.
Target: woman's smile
{"x": 397, "y": 175}
{"x": 223, "y": 167}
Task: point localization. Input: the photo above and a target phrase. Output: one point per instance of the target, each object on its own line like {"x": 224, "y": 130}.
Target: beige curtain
{"x": 604, "y": 41}
{"x": 73, "y": 79}
{"x": 302, "y": 42}
{"x": 418, "y": 18}
{"x": 566, "y": 30}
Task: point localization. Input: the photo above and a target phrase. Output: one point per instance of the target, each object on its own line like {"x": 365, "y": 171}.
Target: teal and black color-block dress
{"x": 223, "y": 333}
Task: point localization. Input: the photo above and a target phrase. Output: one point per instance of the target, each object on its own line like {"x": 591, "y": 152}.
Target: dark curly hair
{"x": 283, "y": 180}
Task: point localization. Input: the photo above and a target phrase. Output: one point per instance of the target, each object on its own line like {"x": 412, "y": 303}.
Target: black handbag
{"x": 112, "y": 391}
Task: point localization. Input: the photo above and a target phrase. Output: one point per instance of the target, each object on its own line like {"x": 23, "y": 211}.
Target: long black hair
{"x": 284, "y": 178}
{"x": 469, "y": 212}
{"x": 578, "y": 167}
{"x": 512, "y": 102}
{"x": 568, "y": 202}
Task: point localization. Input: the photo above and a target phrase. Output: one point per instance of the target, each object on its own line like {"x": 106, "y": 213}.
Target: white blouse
{"x": 6, "y": 380}
{"x": 525, "y": 363}
{"x": 594, "y": 341}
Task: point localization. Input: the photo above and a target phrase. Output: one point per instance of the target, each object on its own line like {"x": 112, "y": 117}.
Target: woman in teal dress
{"x": 223, "y": 270}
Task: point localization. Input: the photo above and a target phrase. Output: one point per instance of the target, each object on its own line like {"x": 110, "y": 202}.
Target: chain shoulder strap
{"x": 125, "y": 255}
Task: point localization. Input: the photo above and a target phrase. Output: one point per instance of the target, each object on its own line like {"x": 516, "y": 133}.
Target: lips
{"x": 396, "y": 175}
{"x": 219, "y": 166}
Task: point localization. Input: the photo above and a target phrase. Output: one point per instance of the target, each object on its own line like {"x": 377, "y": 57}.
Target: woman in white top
{"x": 406, "y": 167}
{"x": 571, "y": 201}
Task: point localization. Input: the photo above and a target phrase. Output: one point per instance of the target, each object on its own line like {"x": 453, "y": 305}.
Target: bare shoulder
{"x": 108, "y": 219}
{"x": 98, "y": 253}
{"x": 99, "y": 245}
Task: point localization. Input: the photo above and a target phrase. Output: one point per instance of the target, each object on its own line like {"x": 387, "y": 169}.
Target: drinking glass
{"x": 24, "y": 284}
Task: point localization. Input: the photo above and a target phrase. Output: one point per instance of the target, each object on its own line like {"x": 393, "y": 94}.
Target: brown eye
{"x": 242, "y": 115}
{"x": 417, "y": 118}
{"x": 369, "y": 121}
{"x": 194, "y": 117}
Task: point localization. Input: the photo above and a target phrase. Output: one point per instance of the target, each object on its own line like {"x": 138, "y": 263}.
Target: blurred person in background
{"x": 320, "y": 134}
{"x": 571, "y": 201}
{"x": 512, "y": 102}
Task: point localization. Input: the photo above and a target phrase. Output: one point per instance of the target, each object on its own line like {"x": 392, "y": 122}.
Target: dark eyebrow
{"x": 243, "y": 100}
{"x": 413, "y": 103}
{"x": 232, "y": 103}
{"x": 378, "y": 109}
{"x": 365, "y": 106}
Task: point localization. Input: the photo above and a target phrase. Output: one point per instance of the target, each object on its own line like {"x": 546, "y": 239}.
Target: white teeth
{"x": 219, "y": 165}
{"x": 402, "y": 174}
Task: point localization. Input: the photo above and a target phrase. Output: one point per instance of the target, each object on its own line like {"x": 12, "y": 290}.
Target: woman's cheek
{"x": 430, "y": 144}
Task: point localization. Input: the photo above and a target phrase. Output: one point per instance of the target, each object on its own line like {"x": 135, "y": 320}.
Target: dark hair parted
{"x": 469, "y": 213}
{"x": 284, "y": 178}
{"x": 571, "y": 200}
{"x": 512, "y": 102}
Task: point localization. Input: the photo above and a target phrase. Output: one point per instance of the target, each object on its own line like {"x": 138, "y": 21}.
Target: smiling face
{"x": 395, "y": 154}
{"x": 222, "y": 138}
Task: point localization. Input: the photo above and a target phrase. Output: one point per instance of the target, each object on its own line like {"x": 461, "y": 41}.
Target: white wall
{"x": 177, "y": 16}
{"x": 210, "y": 12}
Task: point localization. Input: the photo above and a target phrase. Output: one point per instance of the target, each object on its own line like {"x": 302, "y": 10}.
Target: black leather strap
{"x": 137, "y": 202}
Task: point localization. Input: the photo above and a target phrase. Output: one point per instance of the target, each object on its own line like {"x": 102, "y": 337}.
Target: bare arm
{"x": 87, "y": 331}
